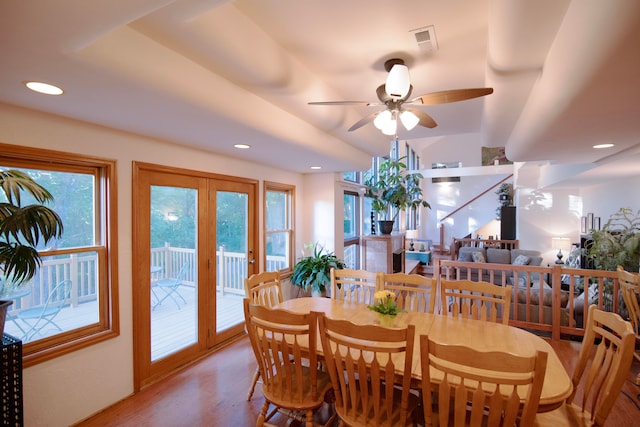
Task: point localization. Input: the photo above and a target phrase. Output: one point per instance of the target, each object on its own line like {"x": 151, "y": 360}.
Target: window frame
{"x": 105, "y": 209}
{"x": 289, "y": 191}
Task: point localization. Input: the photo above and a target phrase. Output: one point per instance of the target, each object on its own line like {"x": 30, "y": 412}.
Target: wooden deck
{"x": 172, "y": 328}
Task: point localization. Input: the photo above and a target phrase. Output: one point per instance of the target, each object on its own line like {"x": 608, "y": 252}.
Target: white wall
{"x": 69, "y": 388}
{"x": 606, "y": 199}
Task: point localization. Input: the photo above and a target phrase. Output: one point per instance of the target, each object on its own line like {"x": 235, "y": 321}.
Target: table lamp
{"x": 561, "y": 243}
{"x": 411, "y": 235}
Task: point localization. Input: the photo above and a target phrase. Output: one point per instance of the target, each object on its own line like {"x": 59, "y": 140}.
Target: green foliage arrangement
{"x": 617, "y": 243}
{"x": 394, "y": 188}
{"x": 314, "y": 271}
{"x": 385, "y": 303}
{"x": 23, "y": 227}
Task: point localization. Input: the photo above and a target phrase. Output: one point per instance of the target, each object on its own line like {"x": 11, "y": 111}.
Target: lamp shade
{"x": 409, "y": 120}
{"x": 398, "y": 82}
{"x": 561, "y": 243}
{"x": 411, "y": 234}
{"x": 382, "y": 119}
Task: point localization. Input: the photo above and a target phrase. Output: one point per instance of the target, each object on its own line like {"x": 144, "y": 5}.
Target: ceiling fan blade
{"x": 365, "y": 120}
{"x": 342, "y": 103}
{"x": 455, "y": 95}
{"x": 425, "y": 119}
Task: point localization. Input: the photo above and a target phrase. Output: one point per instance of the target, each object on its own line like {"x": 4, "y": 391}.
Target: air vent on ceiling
{"x": 426, "y": 38}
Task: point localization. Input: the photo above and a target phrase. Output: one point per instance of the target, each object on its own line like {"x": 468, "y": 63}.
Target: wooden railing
{"x": 82, "y": 269}
{"x": 563, "y": 309}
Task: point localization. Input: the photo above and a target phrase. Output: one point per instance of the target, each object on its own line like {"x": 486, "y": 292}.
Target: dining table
{"x": 479, "y": 335}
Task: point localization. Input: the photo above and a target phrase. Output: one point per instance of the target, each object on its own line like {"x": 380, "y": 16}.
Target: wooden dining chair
{"x": 354, "y": 285}
{"x": 604, "y": 361}
{"x": 262, "y": 289}
{"x": 479, "y": 388}
{"x": 630, "y": 289}
{"x": 291, "y": 379}
{"x": 370, "y": 369}
{"x": 414, "y": 292}
{"x": 475, "y": 300}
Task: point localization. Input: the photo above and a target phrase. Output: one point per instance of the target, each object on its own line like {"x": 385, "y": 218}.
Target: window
{"x": 83, "y": 197}
{"x": 352, "y": 226}
{"x": 278, "y": 221}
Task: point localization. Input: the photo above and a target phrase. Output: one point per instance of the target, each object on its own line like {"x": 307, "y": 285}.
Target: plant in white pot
{"x": 393, "y": 190}
{"x": 313, "y": 271}
{"x": 22, "y": 228}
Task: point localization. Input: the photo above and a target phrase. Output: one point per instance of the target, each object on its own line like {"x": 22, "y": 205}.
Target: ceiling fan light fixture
{"x": 409, "y": 120}
{"x": 391, "y": 127}
{"x": 398, "y": 81}
{"x": 382, "y": 119}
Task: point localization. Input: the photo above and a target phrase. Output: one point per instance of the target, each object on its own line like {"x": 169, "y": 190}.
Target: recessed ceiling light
{"x": 242, "y": 146}
{"x": 603, "y": 146}
{"x": 45, "y": 88}
{"x": 316, "y": 167}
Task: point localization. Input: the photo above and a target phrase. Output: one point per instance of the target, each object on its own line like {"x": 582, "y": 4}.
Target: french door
{"x": 194, "y": 244}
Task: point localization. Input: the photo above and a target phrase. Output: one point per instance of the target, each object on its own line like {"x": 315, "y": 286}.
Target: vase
{"x": 385, "y": 226}
{"x": 386, "y": 320}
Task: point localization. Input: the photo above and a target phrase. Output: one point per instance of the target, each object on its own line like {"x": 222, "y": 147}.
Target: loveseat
{"x": 505, "y": 257}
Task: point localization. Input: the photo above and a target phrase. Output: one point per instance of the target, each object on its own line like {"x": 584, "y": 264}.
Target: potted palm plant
{"x": 393, "y": 190}
{"x": 314, "y": 271}
{"x": 22, "y": 228}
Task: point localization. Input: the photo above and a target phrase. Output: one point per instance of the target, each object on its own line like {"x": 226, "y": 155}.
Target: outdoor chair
{"x": 38, "y": 318}
{"x": 604, "y": 361}
{"x": 475, "y": 300}
{"x": 262, "y": 289}
{"x": 364, "y": 362}
{"x": 354, "y": 285}
{"x": 291, "y": 379}
{"x": 413, "y": 292}
{"x": 476, "y": 388}
{"x": 170, "y": 288}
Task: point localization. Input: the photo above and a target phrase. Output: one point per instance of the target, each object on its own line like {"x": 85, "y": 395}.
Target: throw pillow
{"x": 521, "y": 260}
{"x": 478, "y": 257}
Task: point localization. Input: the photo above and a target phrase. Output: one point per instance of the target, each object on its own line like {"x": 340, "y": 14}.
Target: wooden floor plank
{"x": 212, "y": 392}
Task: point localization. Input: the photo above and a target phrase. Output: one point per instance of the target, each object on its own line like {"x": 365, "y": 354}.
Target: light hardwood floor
{"x": 212, "y": 392}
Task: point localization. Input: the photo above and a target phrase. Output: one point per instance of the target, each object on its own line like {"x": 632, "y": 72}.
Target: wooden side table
{"x": 11, "y": 382}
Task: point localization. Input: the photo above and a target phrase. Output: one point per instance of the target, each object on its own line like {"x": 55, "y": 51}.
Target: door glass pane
{"x": 174, "y": 274}
{"x": 232, "y": 256}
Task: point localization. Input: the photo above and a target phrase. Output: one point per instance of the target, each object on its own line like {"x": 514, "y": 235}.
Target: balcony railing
{"x": 81, "y": 269}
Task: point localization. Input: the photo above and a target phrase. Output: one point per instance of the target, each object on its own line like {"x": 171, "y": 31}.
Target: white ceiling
{"x": 211, "y": 73}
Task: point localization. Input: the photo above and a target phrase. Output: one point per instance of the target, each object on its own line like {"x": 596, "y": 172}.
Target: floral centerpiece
{"x": 385, "y": 303}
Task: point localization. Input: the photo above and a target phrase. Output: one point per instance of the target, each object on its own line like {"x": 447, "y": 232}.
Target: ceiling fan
{"x": 395, "y": 93}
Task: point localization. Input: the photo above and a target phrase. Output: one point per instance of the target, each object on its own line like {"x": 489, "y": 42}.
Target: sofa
{"x": 493, "y": 274}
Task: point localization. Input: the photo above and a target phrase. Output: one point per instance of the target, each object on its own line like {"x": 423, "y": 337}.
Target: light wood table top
{"x": 445, "y": 329}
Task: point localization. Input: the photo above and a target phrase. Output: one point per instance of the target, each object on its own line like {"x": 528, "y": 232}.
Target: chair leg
{"x": 256, "y": 376}
{"x": 263, "y": 414}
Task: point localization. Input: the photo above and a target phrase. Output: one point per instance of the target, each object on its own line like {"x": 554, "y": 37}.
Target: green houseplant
{"x": 618, "y": 243}
{"x": 392, "y": 190}
{"x": 22, "y": 228}
{"x": 313, "y": 271}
